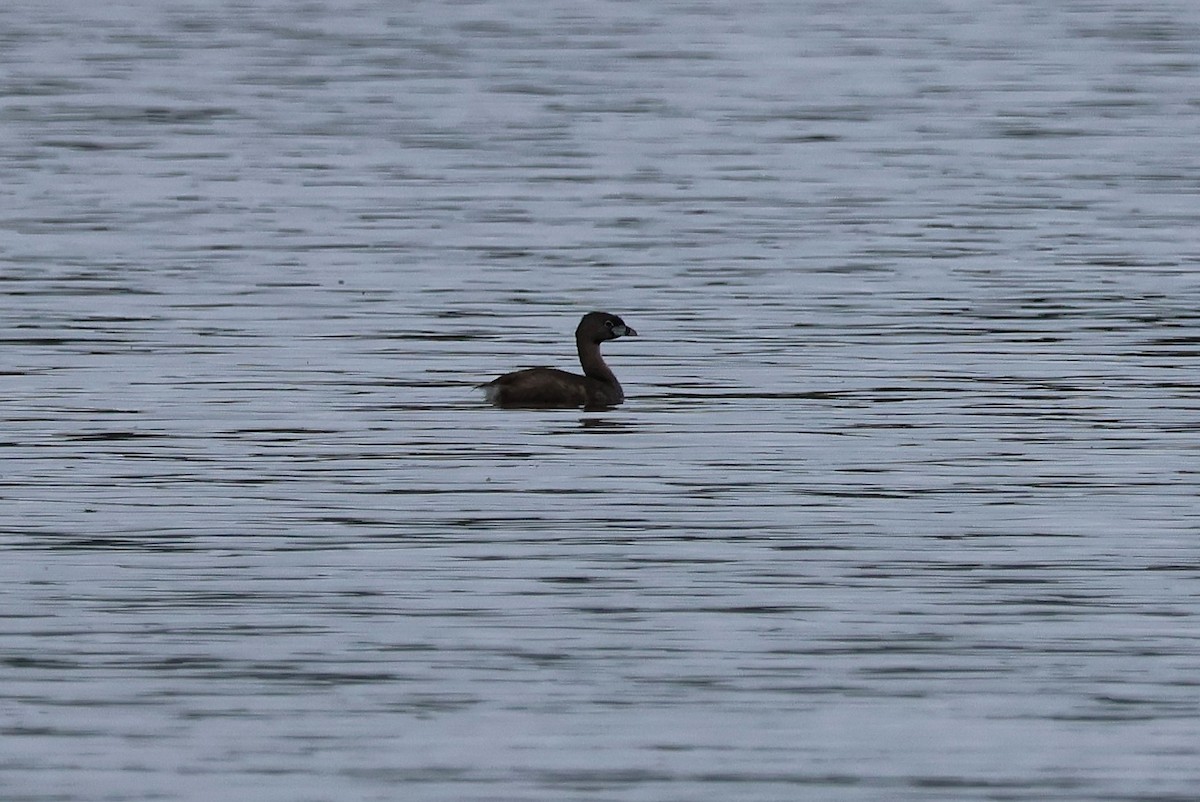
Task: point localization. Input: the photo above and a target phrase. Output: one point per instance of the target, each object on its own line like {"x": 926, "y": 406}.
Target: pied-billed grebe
{"x": 549, "y": 387}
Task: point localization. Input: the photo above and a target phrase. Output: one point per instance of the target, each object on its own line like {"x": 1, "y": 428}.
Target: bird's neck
{"x": 592, "y": 362}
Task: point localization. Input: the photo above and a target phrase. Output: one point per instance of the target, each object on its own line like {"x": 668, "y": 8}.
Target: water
{"x": 903, "y": 503}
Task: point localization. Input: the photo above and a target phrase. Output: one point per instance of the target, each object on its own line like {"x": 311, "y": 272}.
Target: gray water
{"x": 903, "y": 502}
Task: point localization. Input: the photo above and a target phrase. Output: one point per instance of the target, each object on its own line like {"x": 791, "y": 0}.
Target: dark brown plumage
{"x": 550, "y": 387}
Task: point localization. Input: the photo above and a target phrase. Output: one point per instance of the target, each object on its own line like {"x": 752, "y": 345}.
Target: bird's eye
{"x": 609, "y": 323}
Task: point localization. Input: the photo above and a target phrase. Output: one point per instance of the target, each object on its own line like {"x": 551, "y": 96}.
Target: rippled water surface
{"x": 902, "y": 505}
